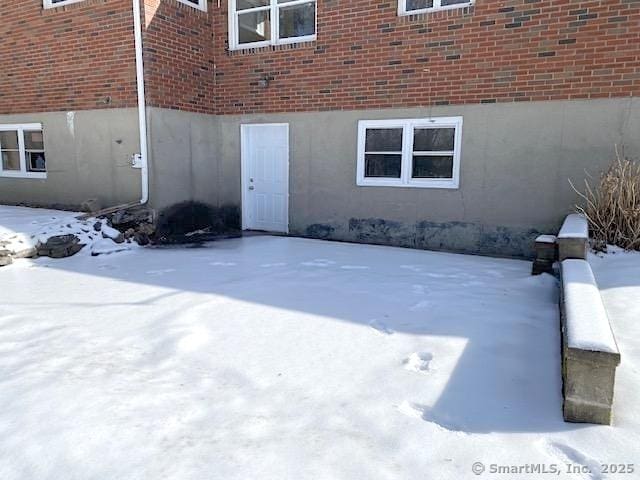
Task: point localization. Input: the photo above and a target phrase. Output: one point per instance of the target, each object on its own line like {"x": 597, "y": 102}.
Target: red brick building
{"x": 430, "y": 123}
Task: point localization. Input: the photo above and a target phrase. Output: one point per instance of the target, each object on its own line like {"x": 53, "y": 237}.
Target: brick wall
{"x": 82, "y": 56}
{"x": 69, "y": 58}
{"x": 178, "y": 56}
{"x": 497, "y": 51}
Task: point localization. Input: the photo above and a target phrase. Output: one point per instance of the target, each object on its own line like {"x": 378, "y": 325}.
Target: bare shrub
{"x": 612, "y": 206}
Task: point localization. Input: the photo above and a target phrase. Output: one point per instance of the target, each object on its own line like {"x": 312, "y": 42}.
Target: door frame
{"x": 244, "y": 181}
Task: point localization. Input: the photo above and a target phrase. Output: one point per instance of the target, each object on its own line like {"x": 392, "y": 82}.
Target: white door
{"x": 265, "y": 177}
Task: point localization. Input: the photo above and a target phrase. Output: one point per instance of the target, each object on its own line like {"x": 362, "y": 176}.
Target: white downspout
{"x": 141, "y": 160}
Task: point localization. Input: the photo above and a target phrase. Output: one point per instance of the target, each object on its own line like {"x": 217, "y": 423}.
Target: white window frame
{"x": 202, "y": 4}
{"x": 437, "y": 5}
{"x": 50, "y": 4}
{"x": 274, "y": 7}
{"x": 24, "y": 171}
{"x": 408, "y": 126}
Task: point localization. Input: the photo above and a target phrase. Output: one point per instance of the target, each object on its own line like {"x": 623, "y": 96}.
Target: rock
{"x": 132, "y": 217}
{"x": 60, "y": 246}
{"x": 141, "y": 238}
{"x": 97, "y": 226}
{"x": 112, "y": 233}
{"x": 129, "y": 233}
{"x": 5, "y": 258}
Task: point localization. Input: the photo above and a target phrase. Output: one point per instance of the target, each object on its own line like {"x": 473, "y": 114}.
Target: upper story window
{"x": 421, "y": 153}
{"x": 58, "y": 3}
{"x": 199, "y": 4}
{"x": 258, "y": 23}
{"x": 22, "y": 151}
{"x": 411, "y": 7}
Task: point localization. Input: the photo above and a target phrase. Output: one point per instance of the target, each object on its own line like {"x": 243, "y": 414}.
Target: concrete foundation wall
{"x": 88, "y": 156}
{"x": 517, "y": 159}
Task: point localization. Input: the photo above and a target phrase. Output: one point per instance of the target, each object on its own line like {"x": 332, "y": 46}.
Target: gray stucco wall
{"x": 88, "y": 156}
{"x": 517, "y": 159}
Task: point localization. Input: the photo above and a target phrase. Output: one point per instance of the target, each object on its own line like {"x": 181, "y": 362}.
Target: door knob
{"x": 252, "y": 187}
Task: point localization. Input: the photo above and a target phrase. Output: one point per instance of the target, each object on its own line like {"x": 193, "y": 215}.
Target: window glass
{"x": 298, "y": 20}
{"x": 254, "y": 26}
{"x": 384, "y": 140}
{"x": 10, "y": 160}
{"x": 433, "y": 139}
{"x": 9, "y": 140}
{"x": 432, "y": 166}
{"x": 383, "y": 166}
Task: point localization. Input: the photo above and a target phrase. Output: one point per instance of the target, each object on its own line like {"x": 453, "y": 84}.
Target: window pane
{"x": 11, "y": 160}
{"x": 385, "y": 166}
{"x": 244, "y": 4}
{"x": 298, "y": 20}
{"x": 433, "y": 139}
{"x": 9, "y": 140}
{"x": 432, "y": 167}
{"x": 444, "y": 3}
{"x": 383, "y": 140}
{"x": 36, "y": 162}
{"x": 254, "y": 26}
{"x": 419, "y": 4}
{"x": 33, "y": 141}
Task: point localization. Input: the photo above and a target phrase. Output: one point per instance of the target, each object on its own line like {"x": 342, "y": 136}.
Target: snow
{"x": 546, "y": 239}
{"x": 587, "y": 323}
{"x": 265, "y": 358}
{"x": 574, "y": 226}
{"x": 22, "y": 228}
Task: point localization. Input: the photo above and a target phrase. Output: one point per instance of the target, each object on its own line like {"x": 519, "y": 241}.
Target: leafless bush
{"x": 612, "y": 206}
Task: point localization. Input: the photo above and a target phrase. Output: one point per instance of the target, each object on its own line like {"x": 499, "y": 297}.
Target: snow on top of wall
{"x": 574, "y": 226}
{"x": 586, "y": 319}
{"x": 546, "y": 239}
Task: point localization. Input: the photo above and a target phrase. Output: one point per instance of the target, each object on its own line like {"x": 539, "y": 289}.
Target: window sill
{"x": 23, "y": 175}
{"x": 438, "y": 184}
{"x": 268, "y": 47}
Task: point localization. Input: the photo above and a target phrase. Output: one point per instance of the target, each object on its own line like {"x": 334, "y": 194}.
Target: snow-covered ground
{"x": 281, "y": 358}
{"x": 22, "y": 228}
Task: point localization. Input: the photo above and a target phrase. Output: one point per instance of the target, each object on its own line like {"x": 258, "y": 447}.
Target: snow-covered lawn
{"x": 281, "y": 358}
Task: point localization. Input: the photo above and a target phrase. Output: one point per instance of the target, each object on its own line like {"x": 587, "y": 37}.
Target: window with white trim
{"x": 22, "y": 151}
{"x": 258, "y": 23}
{"x": 411, "y": 7}
{"x": 423, "y": 153}
{"x": 199, "y": 4}
{"x": 58, "y": 3}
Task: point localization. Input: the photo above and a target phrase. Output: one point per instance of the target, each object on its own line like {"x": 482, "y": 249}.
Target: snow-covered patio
{"x": 276, "y": 358}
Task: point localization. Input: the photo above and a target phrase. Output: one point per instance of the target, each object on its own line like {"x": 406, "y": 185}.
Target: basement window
{"x": 259, "y": 23}
{"x": 199, "y": 4}
{"x": 22, "y": 152}
{"x": 412, "y": 7}
{"x": 422, "y": 153}
{"x": 58, "y": 3}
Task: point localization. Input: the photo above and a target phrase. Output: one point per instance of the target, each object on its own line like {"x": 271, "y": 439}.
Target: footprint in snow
{"x": 223, "y": 264}
{"x": 380, "y": 327}
{"x": 419, "y": 289}
{"x": 271, "y": 265}
{"x": 418, "y": 362}
{"x": 319, "y": 262}
{"x": 569, "y": 455}
{"x": 354, "y": 267}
